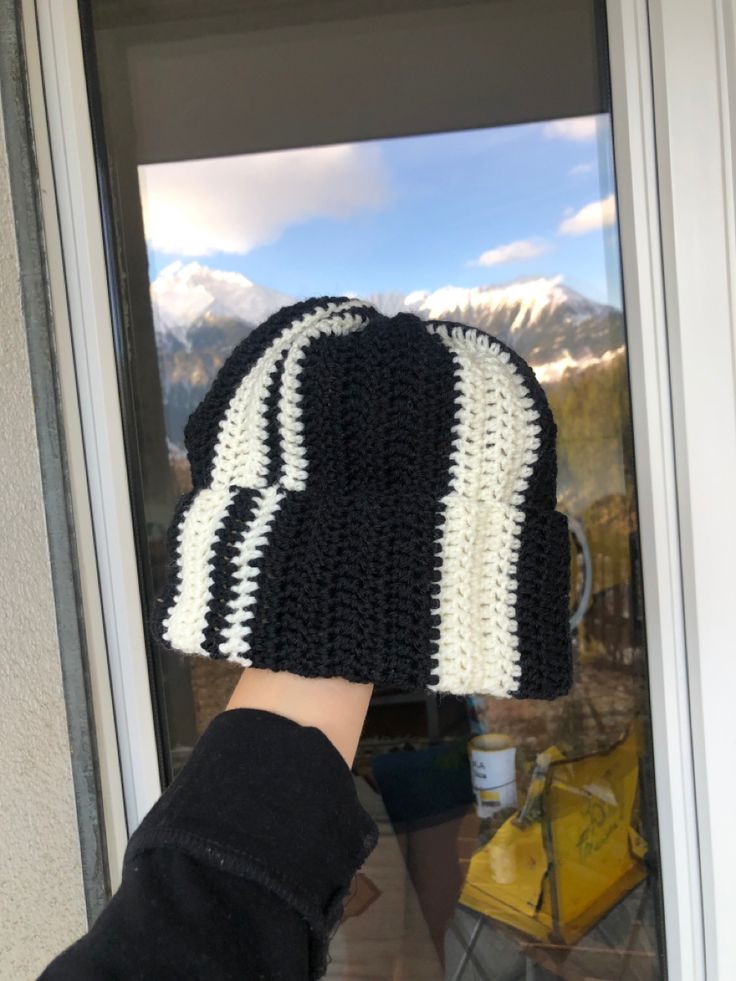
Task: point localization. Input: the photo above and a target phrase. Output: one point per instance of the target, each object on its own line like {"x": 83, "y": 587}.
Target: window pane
{"x": 461, "y": 168}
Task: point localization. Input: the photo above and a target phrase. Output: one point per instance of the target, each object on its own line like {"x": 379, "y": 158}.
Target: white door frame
{"x": 644, "y": 308}
{"x": 693, "y": 54}
{"x": 89, "y": 393}
{"x": 668, "y": 266}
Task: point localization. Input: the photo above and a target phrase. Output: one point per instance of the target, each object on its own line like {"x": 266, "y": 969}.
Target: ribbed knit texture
{"x": 374, "y": 498}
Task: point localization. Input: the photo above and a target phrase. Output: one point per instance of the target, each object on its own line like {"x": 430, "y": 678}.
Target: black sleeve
{"x": 240, "y": 869}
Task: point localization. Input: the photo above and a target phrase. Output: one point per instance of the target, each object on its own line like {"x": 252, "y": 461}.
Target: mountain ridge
{"x": 201, "y": 313}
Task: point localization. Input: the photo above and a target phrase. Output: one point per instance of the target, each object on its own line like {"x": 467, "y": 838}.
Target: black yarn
{"x": 345, "y": 586}
{"x": 272, "y": 431}
{"x": 348, "y": 580}
{"x": 542, "y": 606}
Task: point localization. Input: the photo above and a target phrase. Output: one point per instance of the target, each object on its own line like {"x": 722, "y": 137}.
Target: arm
{"x": 334, "y": 706}
{"x": 241, "y": 868}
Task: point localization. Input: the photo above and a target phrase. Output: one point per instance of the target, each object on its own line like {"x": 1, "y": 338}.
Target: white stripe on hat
{"x": 240, "y": 460}
{"x": 241, "y": 454}
{"x": 293, "y": 478}
{"x": 494, "y": 449}
{"x": 185, "y": 624}
{"x": 290, "y": 408}
{"x": 255, "y": 538}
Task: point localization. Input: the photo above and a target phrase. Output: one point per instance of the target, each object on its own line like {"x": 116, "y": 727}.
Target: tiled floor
{"x": 389, "y": 940}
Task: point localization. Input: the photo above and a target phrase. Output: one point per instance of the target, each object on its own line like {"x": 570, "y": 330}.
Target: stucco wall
{"x": 42, "y": 904}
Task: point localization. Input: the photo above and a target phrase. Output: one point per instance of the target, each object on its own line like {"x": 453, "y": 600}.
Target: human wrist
{"x": 335, "y": 706}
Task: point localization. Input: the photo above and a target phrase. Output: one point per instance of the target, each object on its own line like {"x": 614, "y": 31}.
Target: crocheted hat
{"x": 373, "y": 498}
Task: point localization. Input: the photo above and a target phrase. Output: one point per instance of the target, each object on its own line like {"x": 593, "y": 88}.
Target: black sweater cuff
{"x": 273, "y": 801}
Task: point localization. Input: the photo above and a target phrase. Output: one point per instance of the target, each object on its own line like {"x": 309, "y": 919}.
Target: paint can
{"x": 493, "y": 773}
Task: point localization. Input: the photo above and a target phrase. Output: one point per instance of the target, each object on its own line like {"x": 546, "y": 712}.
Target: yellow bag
{"x": 555, "y": 877}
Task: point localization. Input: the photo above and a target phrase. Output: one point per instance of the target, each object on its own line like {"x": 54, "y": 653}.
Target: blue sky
{"x": 401, "y": 214}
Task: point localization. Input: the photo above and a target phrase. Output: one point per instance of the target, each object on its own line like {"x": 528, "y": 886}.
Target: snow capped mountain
{"x": 522, "y": 303}
{"x": 550, "y": 324}
{"x": 184, "y": 295}
{"x": 200, "y": 314}
{"x": 552, "y": 371}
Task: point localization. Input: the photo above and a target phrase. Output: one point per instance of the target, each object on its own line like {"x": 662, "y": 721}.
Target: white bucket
{"x": 493, "y": 773}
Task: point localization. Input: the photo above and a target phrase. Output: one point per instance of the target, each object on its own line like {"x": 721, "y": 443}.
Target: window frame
{"x": 655, "y": 205}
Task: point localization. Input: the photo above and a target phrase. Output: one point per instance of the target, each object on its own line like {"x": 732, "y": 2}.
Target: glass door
{"x": 454, "y": 159}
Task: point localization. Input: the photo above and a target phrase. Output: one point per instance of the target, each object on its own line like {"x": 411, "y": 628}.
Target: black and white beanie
{"x": 373, "y": 498}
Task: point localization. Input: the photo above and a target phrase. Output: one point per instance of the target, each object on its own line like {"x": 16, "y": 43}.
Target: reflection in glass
{"x": 557, "y": 850}
{"x": 518, "y": 839}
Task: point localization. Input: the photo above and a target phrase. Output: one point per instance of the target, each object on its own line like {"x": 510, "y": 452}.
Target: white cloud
{"x": 513, "y": 252}
{"x": 576, "y": 128}
{"x": 235, "y": 204}
{"x": 581, "y": 168}
{"x": 597, "y": 214}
